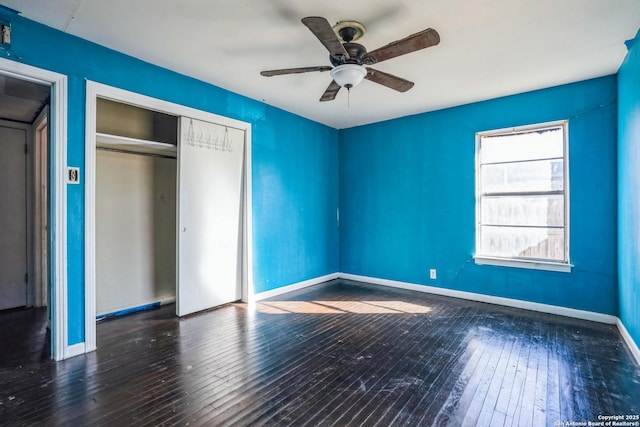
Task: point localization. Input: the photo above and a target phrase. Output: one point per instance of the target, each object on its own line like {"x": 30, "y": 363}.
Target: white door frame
{"x": 60, "y": 348}
{"x": 95, "y": 90}
{"x": 40, "y": 238}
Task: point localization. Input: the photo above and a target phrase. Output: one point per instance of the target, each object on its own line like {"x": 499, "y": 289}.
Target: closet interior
{"x": 135, "y": 207}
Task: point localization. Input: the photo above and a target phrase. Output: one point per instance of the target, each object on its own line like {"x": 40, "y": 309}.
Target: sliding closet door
{"x": 210, "y": 169}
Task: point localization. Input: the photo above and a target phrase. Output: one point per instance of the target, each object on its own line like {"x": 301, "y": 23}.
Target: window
{"x": 522, "y": 197}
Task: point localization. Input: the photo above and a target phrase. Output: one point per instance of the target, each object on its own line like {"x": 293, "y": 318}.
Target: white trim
{"x": 515, "y": 262}
{"x": 295, "y": 286}
{"x": 58, "y": 145}
{"x": 530, "y": 264}
{"x": 94, "y": 90}
{"x": 41, "y": 238}
{"x": 247, "y": 229}
{"x": 74, "y": 350}
{"x": 167, "y": 107}
{"x": 633, "y": 346}
{"x": 509, "y": 302}
{"x": 90, "y": 218}
{"x": 567, "y": 195}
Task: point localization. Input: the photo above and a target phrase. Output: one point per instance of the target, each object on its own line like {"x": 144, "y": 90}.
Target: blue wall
{"x": 407, "y": 197}
{"x": 405, "y": 187}
{"x": 295, "y": 178}
{"x": 629, "y": 189}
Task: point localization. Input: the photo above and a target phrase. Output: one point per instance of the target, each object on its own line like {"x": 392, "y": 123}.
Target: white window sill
{"x": 533, "y": 265}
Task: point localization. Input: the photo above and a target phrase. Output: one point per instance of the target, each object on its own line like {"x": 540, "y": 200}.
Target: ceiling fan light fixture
{"x": 348, "y": 75}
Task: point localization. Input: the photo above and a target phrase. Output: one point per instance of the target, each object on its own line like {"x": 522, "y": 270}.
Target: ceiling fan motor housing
{"x": 355, "y": 50}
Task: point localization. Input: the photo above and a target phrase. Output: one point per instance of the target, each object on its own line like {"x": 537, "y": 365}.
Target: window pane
{"x": 541, "y": 243}
{"x": 541, "y": 175}
{"x": 540, "y": 144}
{"x": 524, "y": 210}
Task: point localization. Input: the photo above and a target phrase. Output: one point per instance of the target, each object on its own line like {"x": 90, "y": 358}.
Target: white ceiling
{"x": 488, "y": 48}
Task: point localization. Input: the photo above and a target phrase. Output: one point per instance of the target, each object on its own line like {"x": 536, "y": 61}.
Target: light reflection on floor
{"x": 340, "y": 307}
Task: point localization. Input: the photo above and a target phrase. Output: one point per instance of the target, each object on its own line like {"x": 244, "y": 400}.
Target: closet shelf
{"x": 134, "y": 145}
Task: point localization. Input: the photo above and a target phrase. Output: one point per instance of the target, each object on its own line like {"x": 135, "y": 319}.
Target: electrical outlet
{"x": 432, "y": 274}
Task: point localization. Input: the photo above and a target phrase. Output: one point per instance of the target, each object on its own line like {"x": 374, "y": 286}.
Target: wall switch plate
{"x": 5, "y": 34}
{"x": 432, "y": 274}
{"x": 73, "y": 175}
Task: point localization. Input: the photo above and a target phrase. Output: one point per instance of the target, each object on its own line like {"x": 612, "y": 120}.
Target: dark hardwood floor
{"x": 24, "y": 336}
{"x": 341, "y": 353}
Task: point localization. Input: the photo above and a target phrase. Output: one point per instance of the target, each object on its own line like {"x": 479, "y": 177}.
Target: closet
{"x": 169, "y": 210}
{"x": 135, "y": 207}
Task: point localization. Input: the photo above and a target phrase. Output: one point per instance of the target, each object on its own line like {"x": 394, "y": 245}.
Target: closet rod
{"x": 120, "y": 150}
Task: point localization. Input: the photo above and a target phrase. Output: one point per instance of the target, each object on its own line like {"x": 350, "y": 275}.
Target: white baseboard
{"x": 74, "y": 350}
{"x": 509, "y": 302}
{"x": 629, "y": 341}
{"x": 294, "y": 287}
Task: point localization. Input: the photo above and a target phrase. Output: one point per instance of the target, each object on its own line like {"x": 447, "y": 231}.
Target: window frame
{"x": 529, "y": 263}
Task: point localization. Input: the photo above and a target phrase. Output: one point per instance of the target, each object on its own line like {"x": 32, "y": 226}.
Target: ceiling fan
{"x": 351, "y": 60}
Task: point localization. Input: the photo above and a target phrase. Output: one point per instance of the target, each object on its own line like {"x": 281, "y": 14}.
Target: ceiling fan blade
{"x": 321, "y": 28}
{"x": 270, "y": 73}
{"x": 331, "y": 92}
{"x": 388, "y": 80}
{"x": 417, "y": 41}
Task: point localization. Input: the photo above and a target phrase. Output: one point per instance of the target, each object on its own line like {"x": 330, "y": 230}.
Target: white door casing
{"x": 40, "y": 209}
{"x": 60, "y": 348}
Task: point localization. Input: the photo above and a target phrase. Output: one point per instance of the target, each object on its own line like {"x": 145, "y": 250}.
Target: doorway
{"x": 189, "y": 152}
{"x": 56, "y": 202}
{"x": 24, "y": 236}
